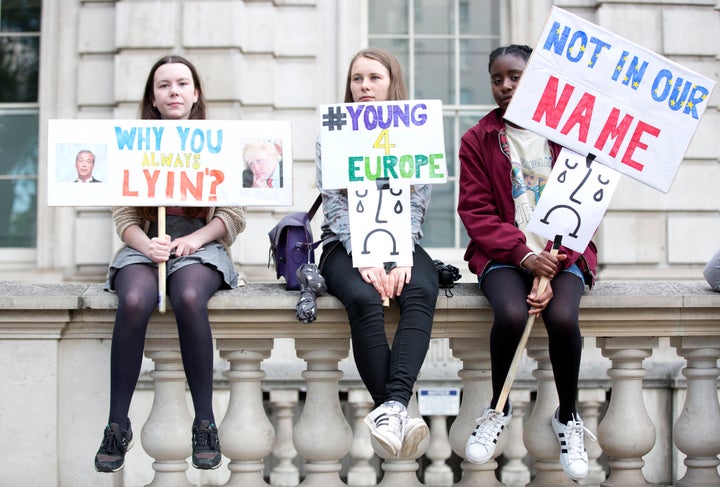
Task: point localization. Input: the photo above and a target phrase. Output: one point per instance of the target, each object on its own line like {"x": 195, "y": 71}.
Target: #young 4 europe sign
{"x": 377, "y": 152}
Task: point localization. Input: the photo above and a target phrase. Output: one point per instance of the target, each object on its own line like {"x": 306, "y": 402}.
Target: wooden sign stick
{"x": 162, "y": 266}
{"x": 500, "y": 406}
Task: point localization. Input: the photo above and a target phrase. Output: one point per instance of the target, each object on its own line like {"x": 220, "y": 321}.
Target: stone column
{"x": 515, "y": 473}
{"x": 697, "y": 429}
{"x": 626, "y": 433}
{"x": 285, "y": 473}
{"x": 322, "y": 436}
{"x": 167, "y": 433}
{"x": 438, "y": 473}
{"x": 589, "y": 403}
{"x": 246, "y": 433}
{"x": 540, "y": 439}
{"x": 361, "y": 473}
{"x": 477, "y": 392}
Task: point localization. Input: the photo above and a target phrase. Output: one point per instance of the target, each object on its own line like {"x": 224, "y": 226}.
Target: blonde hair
{"x": 262, "y": 147}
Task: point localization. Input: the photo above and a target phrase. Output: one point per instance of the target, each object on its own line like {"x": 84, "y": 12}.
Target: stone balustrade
{"x": 54, "y": 357}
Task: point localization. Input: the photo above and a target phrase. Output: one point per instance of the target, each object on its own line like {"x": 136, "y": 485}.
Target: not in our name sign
{"x": 597, "y": 93}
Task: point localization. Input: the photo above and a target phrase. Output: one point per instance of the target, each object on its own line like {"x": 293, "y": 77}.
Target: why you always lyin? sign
{"x": 597, "y": 93}
{"x": 167, "y": 162}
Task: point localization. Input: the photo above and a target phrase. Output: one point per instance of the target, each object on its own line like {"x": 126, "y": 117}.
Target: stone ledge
{"x": 612, "y": 308}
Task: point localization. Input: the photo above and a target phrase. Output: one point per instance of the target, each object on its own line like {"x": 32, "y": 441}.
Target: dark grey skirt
{"x": 212, "y": 254}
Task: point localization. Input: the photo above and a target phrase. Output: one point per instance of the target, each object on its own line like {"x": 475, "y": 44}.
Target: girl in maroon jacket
{"x": 503, "y": 170}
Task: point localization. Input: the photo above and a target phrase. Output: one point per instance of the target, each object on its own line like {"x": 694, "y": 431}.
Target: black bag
{"x": 291, "y": 245}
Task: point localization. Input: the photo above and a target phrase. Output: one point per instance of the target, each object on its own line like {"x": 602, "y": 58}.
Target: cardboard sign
{"x": 400, "y": 140}
{"x": 169, "y": 163}
{"x": 574, "y": 200}
{"x": 380, "y": 223}
{"x": 597, "y": 93}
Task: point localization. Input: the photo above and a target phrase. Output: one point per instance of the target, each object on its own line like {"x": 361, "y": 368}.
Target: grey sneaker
{"x": 110, "y": 457}
{"x": 205, "y": 446}
{"x": 386, "y": 424}
{"x": 482, "y": 442}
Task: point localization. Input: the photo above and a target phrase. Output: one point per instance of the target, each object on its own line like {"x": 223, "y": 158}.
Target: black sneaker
{"x": 206, "y": 446}
{"x": 110, "y": 456}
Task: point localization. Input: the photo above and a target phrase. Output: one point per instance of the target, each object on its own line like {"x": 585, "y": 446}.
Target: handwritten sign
{"x": 380, "y": 223}
{"x": 597, "y": 93}
{"x": 168, "y": 162}
{"x": 377, "y": 151}
{"x": 400, "y": 140}
{"x": 574, "y": 200}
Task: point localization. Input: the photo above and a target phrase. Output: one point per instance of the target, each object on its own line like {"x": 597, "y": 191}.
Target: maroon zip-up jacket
{"x": 486, "y": 206}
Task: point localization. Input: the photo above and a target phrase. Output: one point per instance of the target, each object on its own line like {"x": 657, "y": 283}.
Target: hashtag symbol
{"x": 334, "y": 118}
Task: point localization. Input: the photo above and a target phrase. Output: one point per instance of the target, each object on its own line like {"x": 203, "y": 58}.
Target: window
{"x": 443, "y": 46}
{"x": 19, "y": 62}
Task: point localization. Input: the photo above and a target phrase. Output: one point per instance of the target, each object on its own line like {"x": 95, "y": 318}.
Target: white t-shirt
{"x": 531, "y": 166}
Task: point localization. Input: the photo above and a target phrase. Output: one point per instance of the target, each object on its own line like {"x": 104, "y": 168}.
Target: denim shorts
{"x": 573, "y": 269}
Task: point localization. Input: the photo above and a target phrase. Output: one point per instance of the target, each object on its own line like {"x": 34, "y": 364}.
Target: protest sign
{"x": 396, "y": 140}
{"x": 597, "y": 93}
{"x": 169, "y": 163}
{"x": 380, "y": 223}
{"x": 574, "y": 200}
{"x": 377, "y": 151}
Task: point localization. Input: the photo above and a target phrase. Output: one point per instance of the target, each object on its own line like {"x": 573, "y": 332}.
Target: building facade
{"x": 279, "y": 60}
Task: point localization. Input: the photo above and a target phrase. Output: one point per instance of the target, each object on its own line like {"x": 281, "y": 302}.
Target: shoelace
{"x": 488, "y": 426}
{"x": 393, "y": 421}
{"x": 205, "y": 439}
{"x": 574, "y": 439}
{"x": 110, "y": 442}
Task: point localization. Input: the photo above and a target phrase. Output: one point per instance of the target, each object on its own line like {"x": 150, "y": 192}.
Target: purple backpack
{"x": 291, "y": 245}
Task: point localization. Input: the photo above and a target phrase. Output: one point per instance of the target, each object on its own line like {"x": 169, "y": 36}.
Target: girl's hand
{"x": 544, "y": 264}
{"x": 377, "y": 278}
{"x": 186, "y": 245}
{"x": 399, "y": 276}
{"x": 159, "y": 249}
{"x": 539, "y": 302}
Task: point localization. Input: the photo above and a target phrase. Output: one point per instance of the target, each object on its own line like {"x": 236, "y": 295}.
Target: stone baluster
{"x": 540, "y": 439}
{"x": 515, "y": 473}
{"x": 166, "y": 435}
{"x": 438, "y": 473}
{"x": 477, "y": 392}
{"x": 589, "y": 402}
{"x": 626, "y": 433}
{"x": 402, "y": 471}
{"x": 246, "y": 434}
{"x": 285, "y": 473}
{"x": 361, "y": 473}
{"x": 322, "y": 436}
{"x": 697, "y": 429}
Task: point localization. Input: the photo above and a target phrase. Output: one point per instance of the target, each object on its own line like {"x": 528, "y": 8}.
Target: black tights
{"x": 189, "y": 289}
{"x": 507, "y": 288}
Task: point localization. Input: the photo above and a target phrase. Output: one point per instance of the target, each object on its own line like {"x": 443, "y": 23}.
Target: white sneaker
{"x": 482, "y": 442}
{"x": 414, "y": 432}
{"x": 573, "y": 456}
{"x": 386, "y": 425}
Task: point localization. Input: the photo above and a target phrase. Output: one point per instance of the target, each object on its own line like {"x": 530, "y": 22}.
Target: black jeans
{"x": 388, "y": 373}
